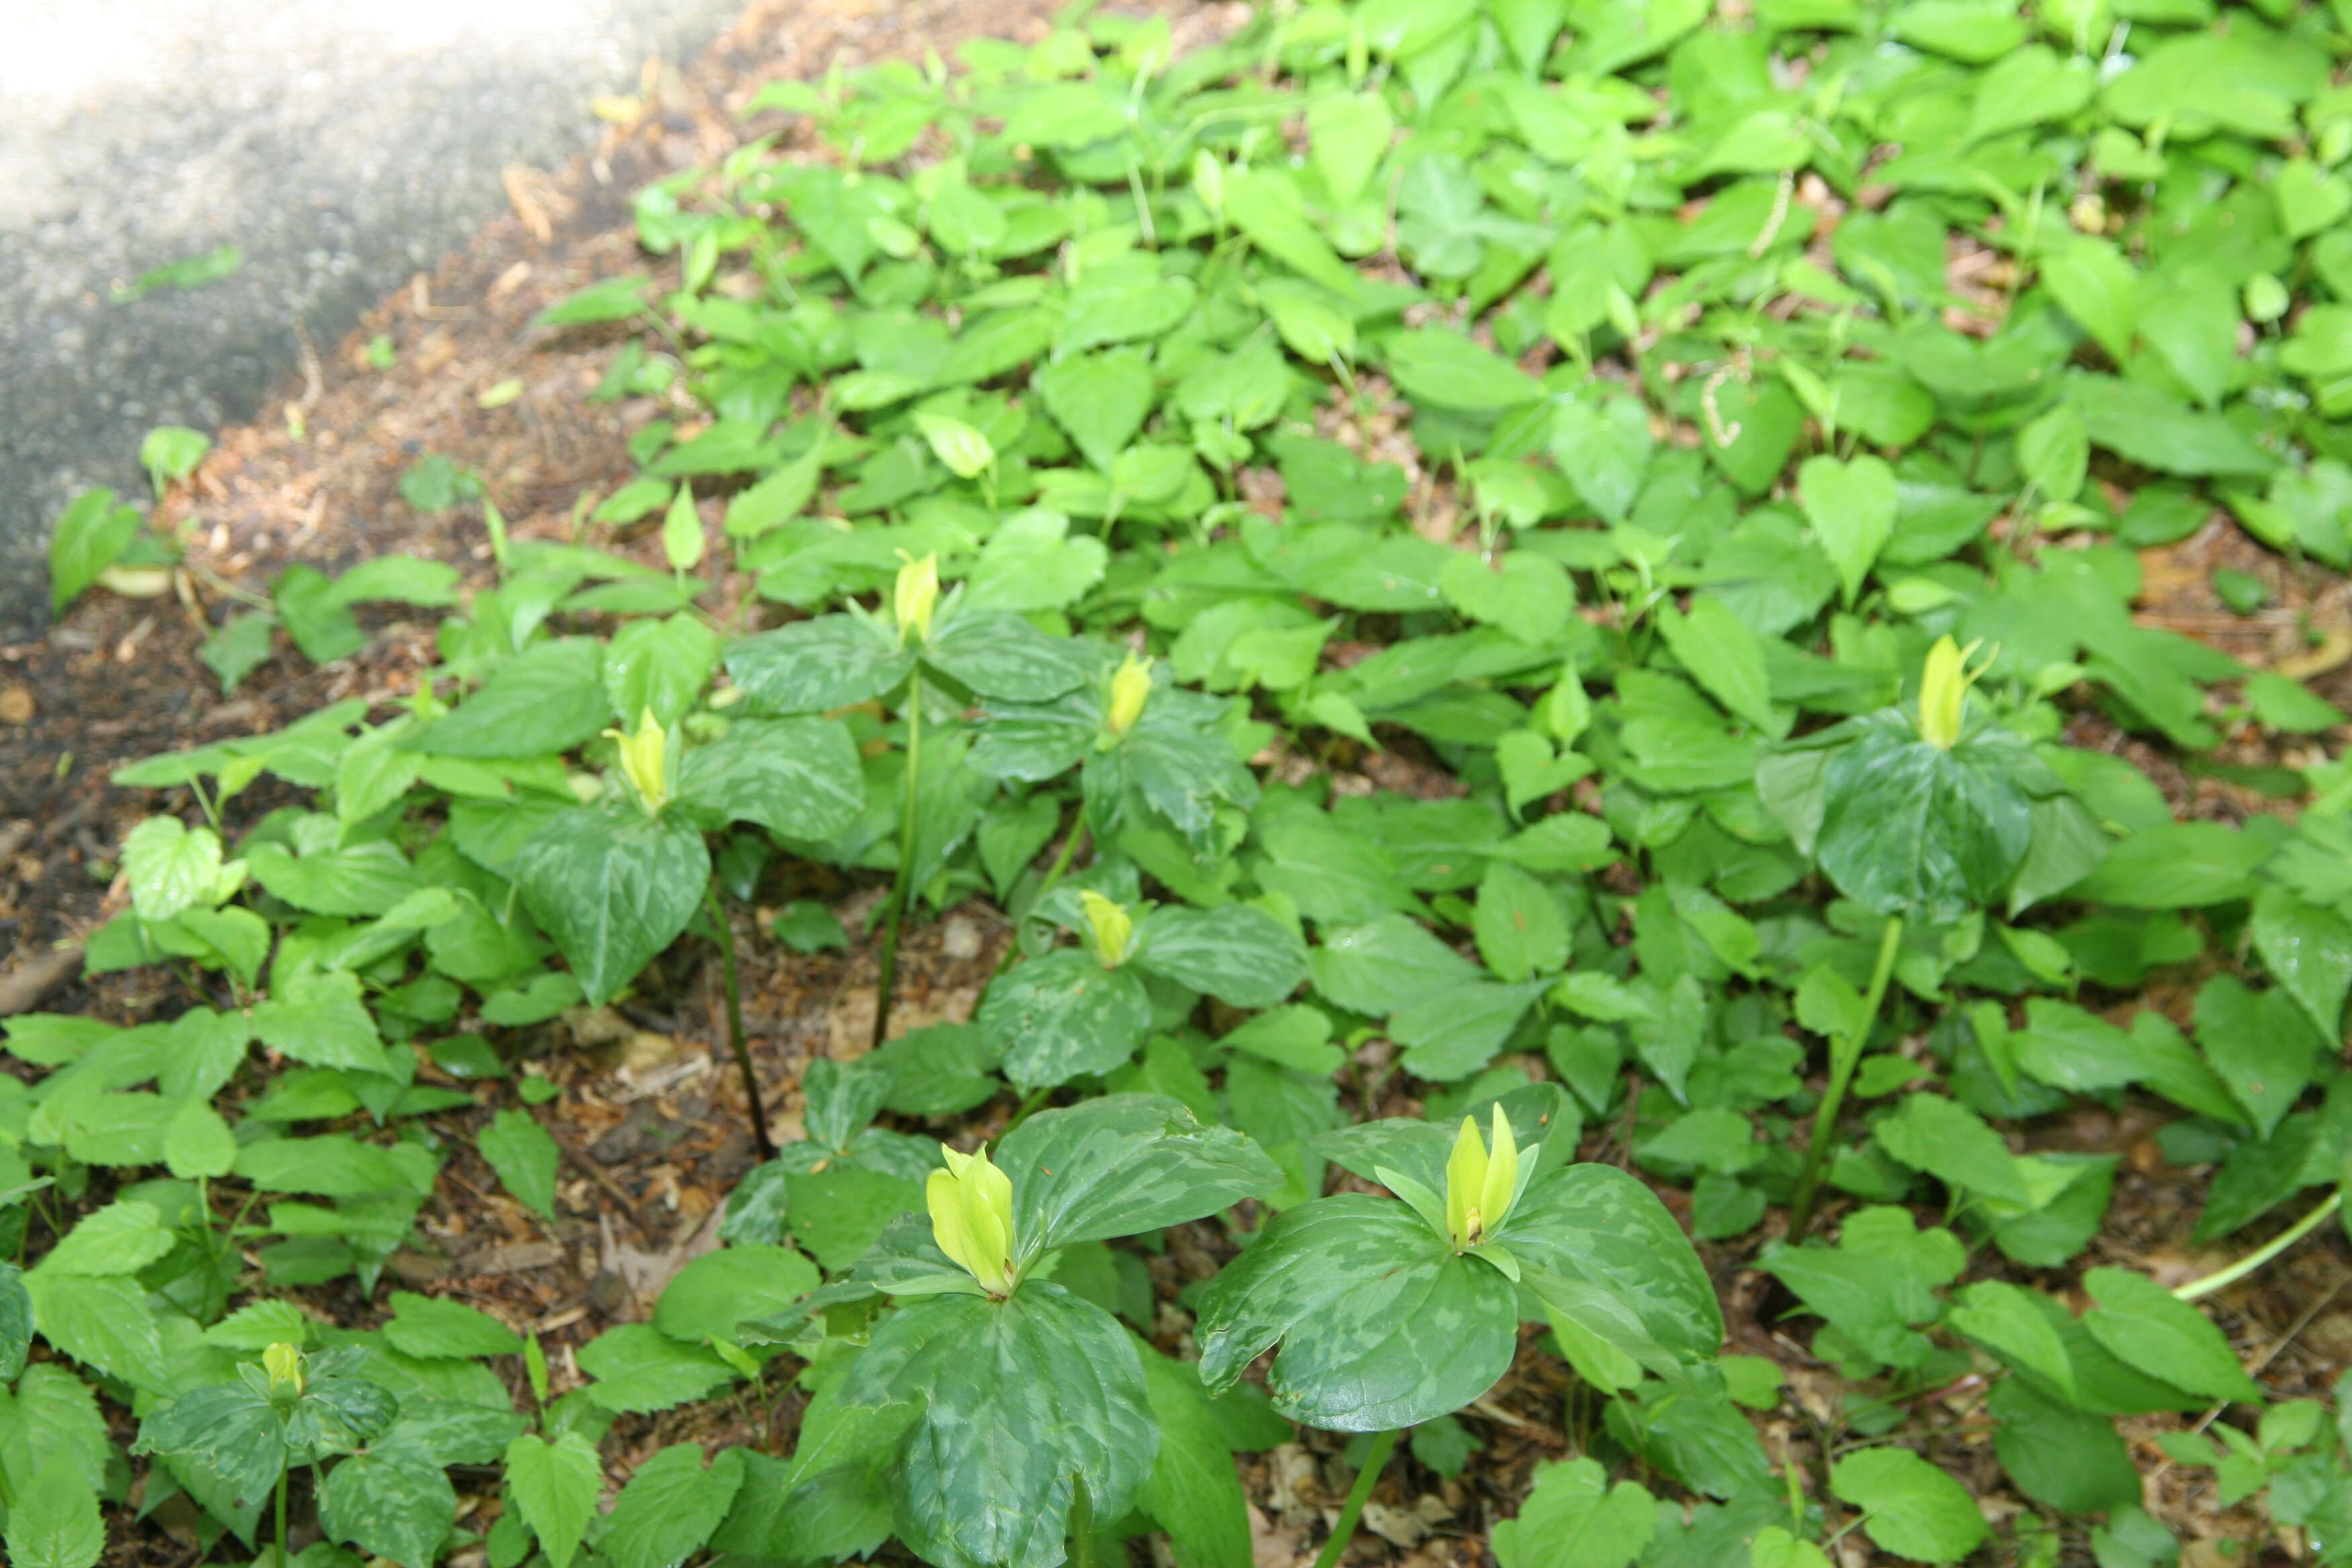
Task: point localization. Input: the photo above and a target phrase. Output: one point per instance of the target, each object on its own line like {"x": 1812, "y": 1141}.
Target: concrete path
{"x": 340, "y": 145}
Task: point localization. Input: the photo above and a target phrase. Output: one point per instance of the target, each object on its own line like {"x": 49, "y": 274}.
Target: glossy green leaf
{"x": 612, "y": 888}
{"x": 1380, "y": 1323}
{"x": 1122, "y": 1163}
{"x": 798, "y": 777}
{"x": 1056, "y": 1386}
{"x": 817, "y": 666}
{"x": 392, "y": 1502}
{"x": 1241, "y": 955}
{"x": 1063, "y": 1016}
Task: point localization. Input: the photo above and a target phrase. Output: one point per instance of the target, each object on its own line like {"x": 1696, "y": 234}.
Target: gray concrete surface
{"x": 342, "y": 144}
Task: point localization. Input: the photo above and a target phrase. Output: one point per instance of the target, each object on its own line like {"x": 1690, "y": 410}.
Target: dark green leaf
{"x": 1380, "y": 1323}
{"x": 1056, "y": 1384}
{"x": 814, "y": 666}
{"x": 1122, "y": 1163}
{"x": 799, "y": 777}
{"x": 1062, "y": 1017}
{"x": 612, "y": 888}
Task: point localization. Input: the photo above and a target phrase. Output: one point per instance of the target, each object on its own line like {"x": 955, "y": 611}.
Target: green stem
{"x": 285, "y": 1554}
{"x": 1843, "y": 1055}
{"x": 1082, "y": 1527}
{"x": 901, "y": 893}
{"x": 2222, "y": 1278}
{"x": 1061, "y": 861}
{"x": 741, "y": 1047}
{"x": 1028, "y": 1108}
{"x": 1383, "y": 1445}
{"x": 1052, "y": 875}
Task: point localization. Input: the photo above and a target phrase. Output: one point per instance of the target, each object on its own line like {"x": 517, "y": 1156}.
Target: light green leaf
{"x": 670, "y": 1507}
{"x": 1851, "y": 506}
{"x": 1519, "y": 925}
{"x": 1193, "y": 1491}
{"x": 198, "y": 1142}
{"x": 171, "y": 866}
{"x": 555, "y": 1486}
{"x": 640, "y": 1370}
{"x": 1910, "y": 1507}
{"x": 91, "y": 533}
{"x": 525, "y": 1156}
{"x": 712, "y": 1296}
{"x": 2142, "y": 1324}
{"x": 1573, "y": 1517}
{"x": 54, "y": 1523}
{"x": 1725, "y": 659}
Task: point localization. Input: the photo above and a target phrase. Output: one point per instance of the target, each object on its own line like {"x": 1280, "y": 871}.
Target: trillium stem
{"x": 901, "y": 892}
{"x": 2222, "y": 1278}
{"x": 735, "y": 1040}
{"x": 1843, "y": 1055}
{"x": 285, "y": 1555}
{"x": 1344, "y": 1531}
{"x": 1082, "y": 1527}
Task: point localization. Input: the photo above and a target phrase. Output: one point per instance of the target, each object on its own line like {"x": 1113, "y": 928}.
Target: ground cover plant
{"x": 1700, "y": 458}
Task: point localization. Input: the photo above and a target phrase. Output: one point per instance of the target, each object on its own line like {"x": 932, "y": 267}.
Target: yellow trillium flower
{"x": 1131, "y": 688}
{"x": 645, "y": 758}
{"x": 1480, "y": 1182}
{"x": 1944, "y": 690}
{"x": 972, "y": 1218}
{"x": 916, "y": 595}
{"x": 1114, "y": 928}
{"x": 283, "y": 1363}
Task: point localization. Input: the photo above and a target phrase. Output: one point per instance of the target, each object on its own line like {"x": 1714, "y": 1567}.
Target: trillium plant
{"x": 1927, "y": 812}
{"x": 1387, "y": 1312}
{"x": 927, "y": 643}
{"x": 995, "y": 1417}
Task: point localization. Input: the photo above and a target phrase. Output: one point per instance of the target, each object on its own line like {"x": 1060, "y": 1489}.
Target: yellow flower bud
{"x": 645, "y": 758}
{"x": 1114, "y": 928}
{"x": 1480, "y": 1184}
{"x": 1944, "y": 689}
{"x": 283, "y": 1363}
{"x": 1131, "y": 688}
{"x": 916, "y": 595}
{"x": 972, "y": 1218}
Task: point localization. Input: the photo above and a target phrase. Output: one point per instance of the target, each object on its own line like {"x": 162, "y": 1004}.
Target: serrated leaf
{"x": 1851, "y": 506}
{"x": 639, "y": 1369}
{"x": 555, "y": 1486}
{"x": 171, "y": 866}
{"x": 1573, "y": 1517}
{"x": 670, "y": 1507}
{"x": 55, "y": 1522}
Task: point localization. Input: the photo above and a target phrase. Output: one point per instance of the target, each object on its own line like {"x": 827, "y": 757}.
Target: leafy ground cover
{"x": 1483, "y": 659}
